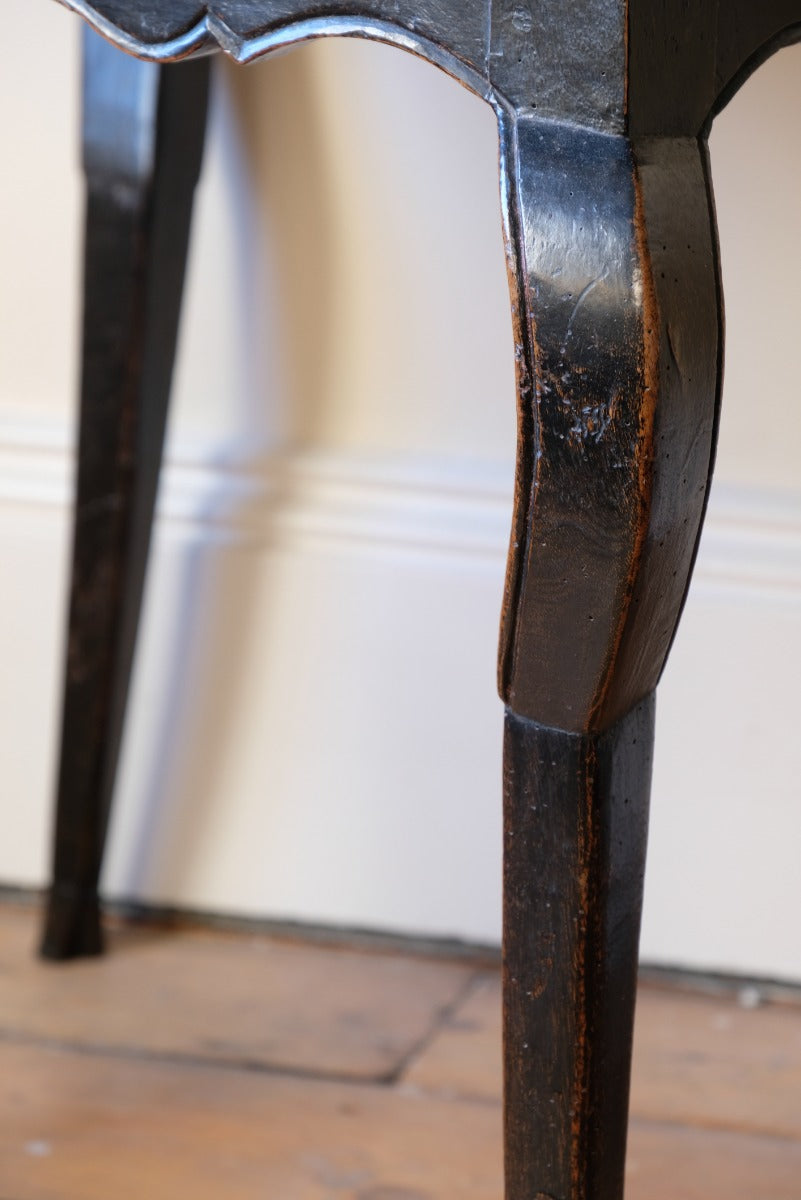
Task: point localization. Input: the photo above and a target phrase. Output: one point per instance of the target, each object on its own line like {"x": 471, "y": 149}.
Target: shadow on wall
{"x": 331, "y": 285}
{"x": 264, "y": 130}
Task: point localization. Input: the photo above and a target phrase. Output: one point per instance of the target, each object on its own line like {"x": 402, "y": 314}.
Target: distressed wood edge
{"x": 706, "y": 165}
{"x": 516, "y": 639}
{"x": 195, "y": 40}
{"x": 661, "y": 550}
{"x": 527, "y": 427}
{"x": 212, "y": 34}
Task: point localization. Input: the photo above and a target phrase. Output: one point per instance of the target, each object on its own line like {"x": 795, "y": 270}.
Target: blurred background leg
{"x": 143, "y": 131}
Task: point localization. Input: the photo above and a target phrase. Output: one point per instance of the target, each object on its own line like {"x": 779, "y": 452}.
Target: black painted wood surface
{"x": 648, "y": 66}
{"x": 575, "y": 829}
{"x": 143, "y": 138}
{"x": 603, "y": 108}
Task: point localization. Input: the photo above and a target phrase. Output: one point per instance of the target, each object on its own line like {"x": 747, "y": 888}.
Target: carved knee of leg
{"x": 615, "y": 290}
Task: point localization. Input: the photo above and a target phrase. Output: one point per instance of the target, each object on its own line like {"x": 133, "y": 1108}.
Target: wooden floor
{"x": 206, "y": 1065}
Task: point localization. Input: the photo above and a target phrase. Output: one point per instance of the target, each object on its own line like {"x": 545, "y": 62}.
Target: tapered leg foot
{"x": 72, "y": 924}
{"x": 575, "y": 824}
{"x": 142, "y": 142}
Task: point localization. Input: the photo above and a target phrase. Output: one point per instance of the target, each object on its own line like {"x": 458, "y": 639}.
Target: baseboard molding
{"x": 388, "y": 504}
{"x": 748, "y": 989}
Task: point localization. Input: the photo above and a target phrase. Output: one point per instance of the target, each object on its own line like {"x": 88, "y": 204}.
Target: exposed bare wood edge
{"x": 649, "y": 368}
{"x": 787, "y": 36}
{"x": 194, "y": 41}
{"x": 211, "y": 33}
{"x": 527, "y": 430}
{"x": 713, "y": 449}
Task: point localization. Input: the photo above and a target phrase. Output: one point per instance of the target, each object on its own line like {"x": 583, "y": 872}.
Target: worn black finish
{"x": 575, "y": 828}
{"x": 603, "y": 109}
{"x": 143, "y": 137}
{"x": 622, "y": 341}
{"x": 619, "y": 330}
{"x": 747, "y": 35}
{"x": 590, "y": 425}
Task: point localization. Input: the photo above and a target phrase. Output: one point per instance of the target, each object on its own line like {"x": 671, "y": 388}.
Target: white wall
{"x": 314, "y": 730}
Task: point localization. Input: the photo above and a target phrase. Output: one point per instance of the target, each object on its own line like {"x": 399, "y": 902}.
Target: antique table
{"x": 603, "y": 110}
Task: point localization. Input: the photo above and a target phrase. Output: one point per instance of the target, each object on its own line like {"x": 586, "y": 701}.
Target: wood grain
{"x": 575, "y": 829}
{"x": 463, "y": 1060}
{"x": 675, "y": 1163}
{"x": 699, "y": 1061}
{"x": 74, "y": 1127}
{"x": 77, "y": 1127}
{"x": 90, "y": 1120}
{"x": 712, "y": 1063}
{"x": 210, "y": 996}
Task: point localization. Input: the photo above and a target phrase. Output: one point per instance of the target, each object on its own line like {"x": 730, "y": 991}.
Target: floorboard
{"x": 240, "y": 999}
{"x": 212, "y": 1065}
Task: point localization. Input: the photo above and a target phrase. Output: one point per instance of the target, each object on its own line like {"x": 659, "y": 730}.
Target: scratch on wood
{"x": 585, "y": 292}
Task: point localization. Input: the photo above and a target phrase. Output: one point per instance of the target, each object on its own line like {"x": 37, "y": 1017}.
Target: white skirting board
{"x": 314, "y": 732}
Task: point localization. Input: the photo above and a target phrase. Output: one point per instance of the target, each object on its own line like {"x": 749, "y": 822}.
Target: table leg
{"x": 143, "y": 135}
{"x": 615, "y": 289}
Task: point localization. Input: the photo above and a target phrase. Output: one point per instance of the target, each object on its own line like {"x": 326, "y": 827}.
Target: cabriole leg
{"x": 614, "y": 280}
{"x": 142, "y": 140}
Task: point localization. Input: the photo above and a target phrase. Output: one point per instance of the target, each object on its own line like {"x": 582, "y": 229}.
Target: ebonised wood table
{"x": 603, "y": 110}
